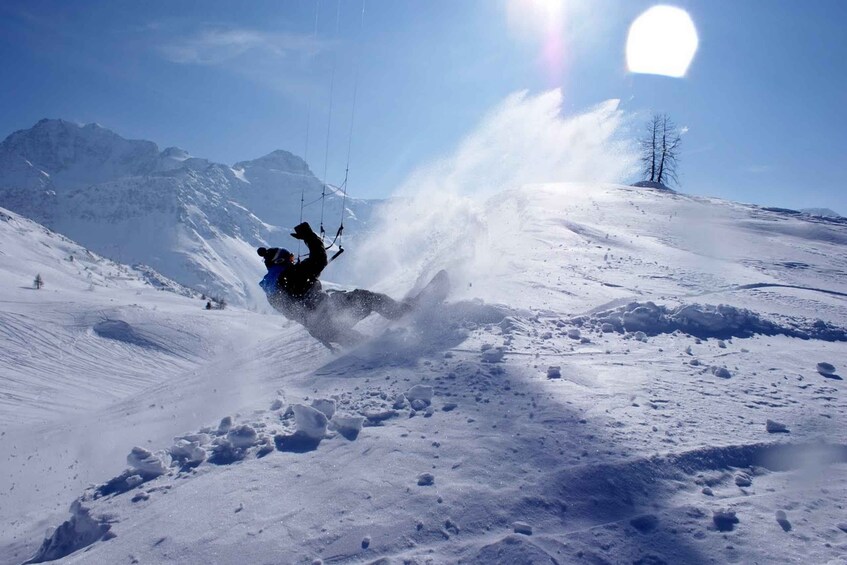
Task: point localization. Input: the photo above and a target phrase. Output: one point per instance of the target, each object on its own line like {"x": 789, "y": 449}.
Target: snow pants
{"x": 333, "y": 319}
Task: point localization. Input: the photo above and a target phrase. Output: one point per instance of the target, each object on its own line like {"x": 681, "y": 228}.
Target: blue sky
{"x": 763, "y": 101}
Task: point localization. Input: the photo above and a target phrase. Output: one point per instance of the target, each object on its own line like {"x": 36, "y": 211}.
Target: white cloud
{"x": 218, "y": 46}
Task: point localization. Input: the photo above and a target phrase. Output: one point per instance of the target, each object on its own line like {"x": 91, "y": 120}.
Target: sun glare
{"x": 544, "y": 23}
{"x": 662, "y": 41}
{"x": 529, "y": 18}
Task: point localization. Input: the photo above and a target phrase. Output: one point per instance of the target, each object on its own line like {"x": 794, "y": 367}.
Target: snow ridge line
{"x": 754, "y": 286}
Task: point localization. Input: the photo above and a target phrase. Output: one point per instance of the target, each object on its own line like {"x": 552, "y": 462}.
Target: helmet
{"x": 275, "y": 255}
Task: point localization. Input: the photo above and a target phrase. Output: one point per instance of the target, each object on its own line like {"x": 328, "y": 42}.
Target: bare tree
{"x": 660, "y": 151}
{"x": 649, "y": 144}
{"x": 38, "y": 282}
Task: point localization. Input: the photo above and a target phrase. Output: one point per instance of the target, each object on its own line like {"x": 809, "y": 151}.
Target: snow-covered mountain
{"x": 621, "y": 375}
{"x": 195, "y": 221}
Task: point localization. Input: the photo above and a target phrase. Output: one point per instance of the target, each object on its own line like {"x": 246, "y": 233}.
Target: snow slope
{"x": 86, "y": 347}
{"x": 583, "y": 397}
{"x": 195, "y": 221}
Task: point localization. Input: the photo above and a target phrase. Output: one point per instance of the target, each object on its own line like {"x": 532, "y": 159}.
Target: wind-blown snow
{"x": 439, "y": 217}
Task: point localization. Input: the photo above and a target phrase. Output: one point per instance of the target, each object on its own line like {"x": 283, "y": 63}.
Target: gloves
{"x": 302, "y": 230}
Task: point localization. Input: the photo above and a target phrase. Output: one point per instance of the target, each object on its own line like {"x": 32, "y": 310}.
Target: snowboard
{"x": 431, "y": 295}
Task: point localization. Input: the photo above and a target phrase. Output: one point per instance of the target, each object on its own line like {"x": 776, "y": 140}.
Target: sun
{"x": 662, "y": 41}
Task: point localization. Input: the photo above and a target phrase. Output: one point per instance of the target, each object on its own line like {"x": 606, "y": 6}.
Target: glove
{"x": 302, "y": 230}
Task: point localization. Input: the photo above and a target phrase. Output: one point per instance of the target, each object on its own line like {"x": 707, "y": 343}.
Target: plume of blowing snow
{"x": 437, "y": 218}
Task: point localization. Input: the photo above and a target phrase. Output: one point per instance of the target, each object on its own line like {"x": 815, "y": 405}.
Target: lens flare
{"x": 662, "y": 41}
{"x": 544, "y": 23}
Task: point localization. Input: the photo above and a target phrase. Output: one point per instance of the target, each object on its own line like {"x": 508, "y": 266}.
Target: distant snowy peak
{"x": 75, "y": 155}
{"x": 278, "y": 160}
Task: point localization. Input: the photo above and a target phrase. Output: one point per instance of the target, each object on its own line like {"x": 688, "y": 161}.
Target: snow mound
{"x": 80, "y": 531}
{"x": 705, "y": 321}
{"x": 513, "y": 549}
{"x": 119, "y": 330}
{"x": 821, "y": 212}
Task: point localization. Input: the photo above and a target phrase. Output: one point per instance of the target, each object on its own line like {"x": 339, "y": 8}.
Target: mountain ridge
{"x": 178, "y": 213}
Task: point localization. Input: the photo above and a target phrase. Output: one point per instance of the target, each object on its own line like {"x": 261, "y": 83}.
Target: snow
{"x": 604, "y": 384}
{"x": 822, "y": 212}
{"x": 309, "y": 421}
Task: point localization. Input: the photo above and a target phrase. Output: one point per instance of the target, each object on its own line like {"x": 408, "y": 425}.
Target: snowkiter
{"x": 294, "y": 289}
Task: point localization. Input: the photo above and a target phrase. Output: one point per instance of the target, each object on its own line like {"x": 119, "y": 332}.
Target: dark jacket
{"x": 297, "y": 289}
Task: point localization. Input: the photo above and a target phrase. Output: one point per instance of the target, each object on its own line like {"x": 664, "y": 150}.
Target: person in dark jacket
{"x": 294, "y": 289}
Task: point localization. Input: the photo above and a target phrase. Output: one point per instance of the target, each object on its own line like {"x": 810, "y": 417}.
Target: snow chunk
{"x": 325, "y": 405}
{"x": 376, "y": 415}
{"x": 743, "y": 480}
{"x": 522, "y": 528}
{"x": 399, "y": 402}
{"x": 554, "y": 372}
{"x": 774, "y": 427}
{"x": 242, "y": 436}
{"x": 347, "y": 425}
{"x": 420, "y": 392}
{"x": 782, "y": 520}
{"x": 187, "y": 452}
{"x": 721, "y": 372}
{"x": 146, "y": 463}
{"x": 426, "y": 479}
{"x": 310, "y": 422}
{"x": 418, "y": 404}
{"x": 725, "y": 519}
{"x": 225, "y": 425}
